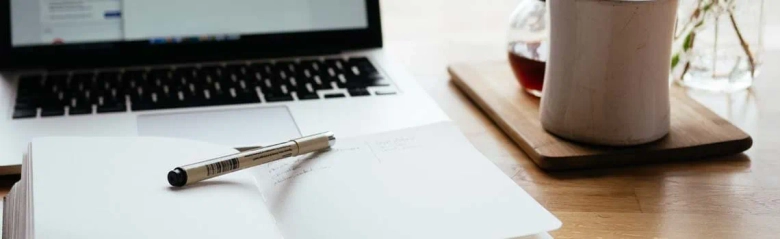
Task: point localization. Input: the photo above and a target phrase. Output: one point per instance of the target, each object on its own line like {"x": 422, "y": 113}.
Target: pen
{"x": 199, "y": 171}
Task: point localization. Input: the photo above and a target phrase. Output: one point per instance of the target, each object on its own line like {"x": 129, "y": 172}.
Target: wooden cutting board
{"x": 696, "y": 132}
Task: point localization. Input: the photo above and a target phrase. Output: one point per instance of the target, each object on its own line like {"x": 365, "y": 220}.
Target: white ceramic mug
{"x": 607, "y": 78}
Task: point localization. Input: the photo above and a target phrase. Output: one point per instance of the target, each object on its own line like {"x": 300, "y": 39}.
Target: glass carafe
{"x": 528, "y": 44}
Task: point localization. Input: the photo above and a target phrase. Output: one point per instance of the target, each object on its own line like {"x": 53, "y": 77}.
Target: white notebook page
{"x": 426, "y": 182}
{"x": 117, "y": 188}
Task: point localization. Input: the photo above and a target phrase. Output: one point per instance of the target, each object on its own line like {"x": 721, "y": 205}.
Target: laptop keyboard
{"x": 81, "y": 93}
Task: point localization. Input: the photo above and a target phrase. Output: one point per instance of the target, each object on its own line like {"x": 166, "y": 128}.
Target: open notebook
{"x": 425, "y": 182}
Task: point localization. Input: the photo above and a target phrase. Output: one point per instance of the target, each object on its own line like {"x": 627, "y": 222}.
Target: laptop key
{"x": 81, "y": 110}
{"x": 155, "y": 102}
{"x": 213, "y": 71}
{"x": 140, "y": 102}
{"x": 52, "y": 101}
{"x": 362, "y": 65}
{"x": 307, "y": 92}
{"x": 246, "y": 94}
{"x": 25, "y": 113}
{"x": 357, "y": 81}
{"x": 25, "y": 104}
{"x": 83, "y": 80}
{"x": 52, "y": 111}
{"x": 114, "y": 107}
{"x": 321, "y": 83}
{"x": 140, "y": 106}
{"x": 107, "y": 78}
{"x": 245, "y": 99}
{"x": 30, "y": 83}
{"x": 241, "y": 99}
{"x": 192, "y": 97}
{"x": 337, "y": 65}
{"x": 312, "y": 96}
{"x": 134, "y": 76}
{"x": 277, "y": 97}
{"x": 334, "y": 95}
{"x": 358, "y": 92}
{"x": 59, "y": 79}
{"x": 221, "y": 97}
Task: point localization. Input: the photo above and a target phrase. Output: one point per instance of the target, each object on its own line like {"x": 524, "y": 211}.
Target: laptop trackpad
{"x": 235, "y": 128}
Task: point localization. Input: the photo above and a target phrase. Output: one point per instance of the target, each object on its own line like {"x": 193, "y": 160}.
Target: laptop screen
{"x": 47, "y": 22}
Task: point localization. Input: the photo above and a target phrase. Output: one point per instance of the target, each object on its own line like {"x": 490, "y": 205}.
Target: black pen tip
{"x": 177, "y": 177}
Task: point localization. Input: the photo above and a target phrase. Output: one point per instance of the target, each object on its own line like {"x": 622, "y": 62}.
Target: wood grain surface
{"x": 696, "y": 132}
{"x": 730, "y": 197}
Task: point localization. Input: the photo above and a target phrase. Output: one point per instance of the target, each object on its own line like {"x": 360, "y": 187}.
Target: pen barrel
{"x": 195, "y": 172}
{"x": 315, "y": 142}
{"x": 223, "y": 165}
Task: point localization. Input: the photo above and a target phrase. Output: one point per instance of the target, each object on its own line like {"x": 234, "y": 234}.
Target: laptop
{"x": 240, "y": 73}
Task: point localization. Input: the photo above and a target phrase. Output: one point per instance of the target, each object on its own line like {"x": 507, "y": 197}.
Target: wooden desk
{"x": 733, "y": 197}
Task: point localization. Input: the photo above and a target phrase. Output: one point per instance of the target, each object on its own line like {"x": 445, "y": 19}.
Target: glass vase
{"x": 718, "y": 44}
{"x": 528, "y": 44}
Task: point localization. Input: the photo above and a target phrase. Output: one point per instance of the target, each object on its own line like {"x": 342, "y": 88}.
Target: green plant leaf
{"x": 708, "y": 6}
{"x": 675, "y": 60}
{"x": 688, "y": 42}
